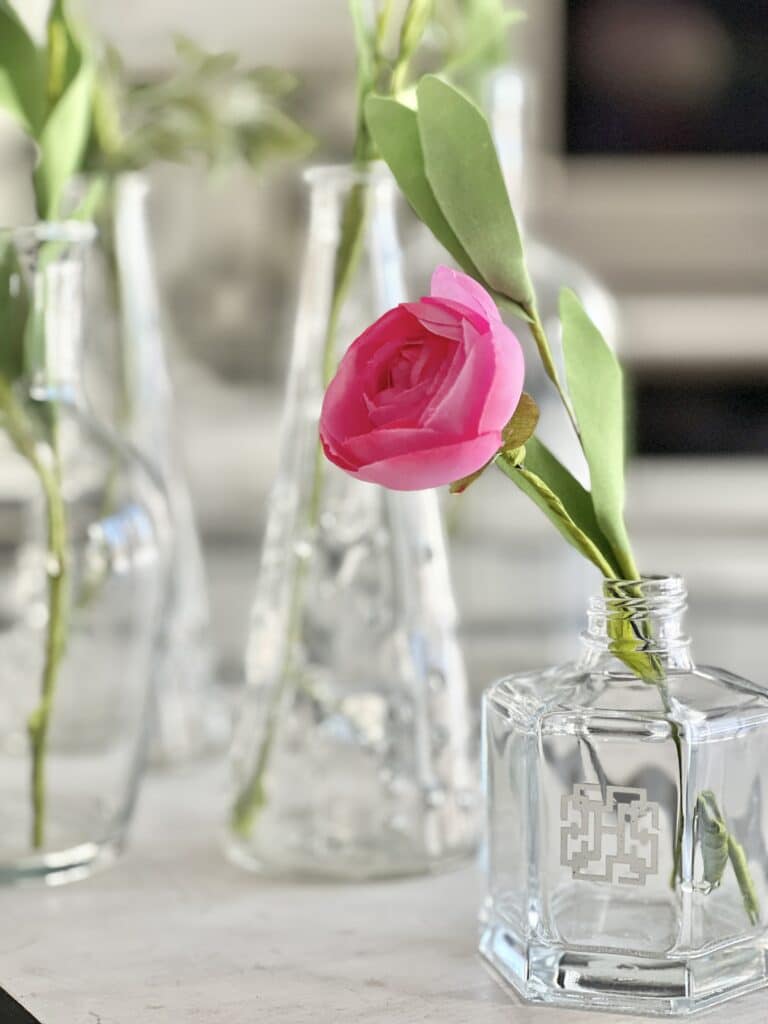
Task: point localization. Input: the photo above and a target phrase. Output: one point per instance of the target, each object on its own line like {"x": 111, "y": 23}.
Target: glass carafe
{"x": 83, "y": 578}
{"x": 354, "y": 754}
{"x": 628, "y": 819}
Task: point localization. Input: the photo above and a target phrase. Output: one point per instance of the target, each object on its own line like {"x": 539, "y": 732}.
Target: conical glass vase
{"x": 354, "y": 753}
{"x": 84, "y": 547}
{"x": 133, "y": 383}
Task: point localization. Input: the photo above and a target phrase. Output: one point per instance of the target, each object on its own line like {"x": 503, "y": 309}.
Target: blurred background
{"x": 647, "y": 162}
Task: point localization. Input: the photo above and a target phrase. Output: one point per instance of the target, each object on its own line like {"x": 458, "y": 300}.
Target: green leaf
{"x": 463, "y": 170}
{"x": 14, "y": 308}
{"x": 521, "y": 426}
{"x": 713, "y": 837}
{"x": 22, "y": 86}
{"x": 395, "y": 131}
{"x": 576, "y": 499}
{"x": 63, "y": 141}
{"x": 64, "y": 53}
{"x": 596, "y": 387}
{"x": 552, "y": 506}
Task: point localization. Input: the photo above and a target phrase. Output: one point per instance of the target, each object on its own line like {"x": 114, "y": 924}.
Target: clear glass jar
{"x": 627, "y": 819}
{"x": 83, "y": 579}
{"x": 131, "y": 379}
{"x": 354, "y": 753}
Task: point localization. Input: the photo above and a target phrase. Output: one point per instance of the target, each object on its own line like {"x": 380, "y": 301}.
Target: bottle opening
{"x": 644, "y": 615}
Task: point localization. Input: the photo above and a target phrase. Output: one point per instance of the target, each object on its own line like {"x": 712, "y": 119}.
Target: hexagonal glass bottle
{"x": 628, "y": 819}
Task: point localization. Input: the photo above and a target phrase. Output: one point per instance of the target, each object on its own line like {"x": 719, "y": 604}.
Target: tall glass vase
{"x": 190, "y": 717}
{"x": 354, "y": 754}
{"x": 84, "y": 544}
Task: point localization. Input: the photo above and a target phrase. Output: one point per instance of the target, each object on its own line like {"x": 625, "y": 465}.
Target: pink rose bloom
{"x": 421, "y": 397}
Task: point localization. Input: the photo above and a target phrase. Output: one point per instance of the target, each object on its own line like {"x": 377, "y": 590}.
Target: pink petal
{"x": 445, "y": 317}
{"x": 432, "y": 467}
{"x": 388, "y": 441}
{"x": 504, "y": 394}
{"x": 458, "y": 407}
{"x": 452, "y": 284}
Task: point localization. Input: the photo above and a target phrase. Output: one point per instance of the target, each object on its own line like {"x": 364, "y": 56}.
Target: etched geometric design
{"x": 610, "y": 836}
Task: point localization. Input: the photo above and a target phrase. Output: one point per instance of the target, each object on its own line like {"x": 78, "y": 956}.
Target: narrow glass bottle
{"x": 628, "y": 819}
{"x": 83, "y": 578}
{"x": 191, "y": 717}
{"x": 354, "y": 754}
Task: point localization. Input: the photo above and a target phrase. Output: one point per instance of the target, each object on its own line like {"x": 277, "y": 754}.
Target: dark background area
{"x": 701, "y": 413}
{"x": 667, "y": 76}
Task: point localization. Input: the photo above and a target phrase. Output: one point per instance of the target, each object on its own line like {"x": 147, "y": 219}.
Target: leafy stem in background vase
{"x": 73, "y": 98}
{"x": 444, "y": 159}
{"x": 23, "y": 433}
{"x": 378, "y": 70}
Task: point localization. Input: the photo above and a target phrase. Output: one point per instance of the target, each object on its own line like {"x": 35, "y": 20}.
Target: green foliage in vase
{"x": 75, "y": 99}
{"x": 448, "y": 169}
{"x": 472, "y": 39}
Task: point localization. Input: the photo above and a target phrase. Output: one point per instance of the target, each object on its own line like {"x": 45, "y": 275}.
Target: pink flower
{"x": 421, "y": 397}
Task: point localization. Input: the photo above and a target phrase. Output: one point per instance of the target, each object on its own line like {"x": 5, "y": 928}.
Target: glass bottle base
{"x": 672, "y": 986}
{"x": 362, "y": 864}
{"x": 60, "y": 867}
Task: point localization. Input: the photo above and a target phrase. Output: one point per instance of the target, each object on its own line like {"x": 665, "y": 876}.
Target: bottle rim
{"x": 69, "y": 232}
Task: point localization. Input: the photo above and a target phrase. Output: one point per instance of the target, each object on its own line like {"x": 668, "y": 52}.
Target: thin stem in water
{"x": 22, "y": 434}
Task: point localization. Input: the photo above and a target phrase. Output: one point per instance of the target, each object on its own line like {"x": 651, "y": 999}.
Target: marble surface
{"x": 174, "y": 933}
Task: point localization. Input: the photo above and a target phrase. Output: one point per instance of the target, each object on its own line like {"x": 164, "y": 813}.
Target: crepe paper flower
{"x": 421, "y": 398}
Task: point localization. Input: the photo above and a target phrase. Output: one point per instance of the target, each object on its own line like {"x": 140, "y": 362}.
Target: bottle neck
{"x": 508, "y": 103}
{"x": 146, "y": 391}
{"x": 50, "y": 292}
{"x": 641, "y": 624}
{"x": 353, "y": 266}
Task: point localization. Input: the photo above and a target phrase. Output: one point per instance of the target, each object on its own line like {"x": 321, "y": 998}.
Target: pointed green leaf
{"x": 395, "y": 131}
{"x": 64, "y": 52}
{"x": 463, "y": 171}
{"x": 521, "y": 426}
{"x": 22, "y": 86}
{"x": 552, "y": 506}
{"x": 14, "y": 307}
{"x": 576, "y": 499}
{"x": 63, "y": 141}
{"x": 596, "y": 387}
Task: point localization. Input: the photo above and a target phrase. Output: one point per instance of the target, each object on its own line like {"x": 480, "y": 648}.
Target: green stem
{"x": 253, "y": 796}
{"x": 548, "y": 362}
{"x": 22, "y": 434}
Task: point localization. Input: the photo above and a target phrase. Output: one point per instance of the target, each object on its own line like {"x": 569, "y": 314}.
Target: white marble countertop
{"x": 174, "y": 934}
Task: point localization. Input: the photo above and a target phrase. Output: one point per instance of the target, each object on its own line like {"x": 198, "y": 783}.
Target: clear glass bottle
{"x": 628, "y": 819}
{"x": 83, "y": 579}
{"x": 191, "y": 718}
{"x": 354, "y": 753}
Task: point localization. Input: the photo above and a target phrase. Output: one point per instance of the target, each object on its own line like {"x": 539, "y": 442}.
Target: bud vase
{"x": 354, "y": 754}
{"x": 190, "y": 718}
{"x": 628, "y": 819}
{"x": 83, "y": 579}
